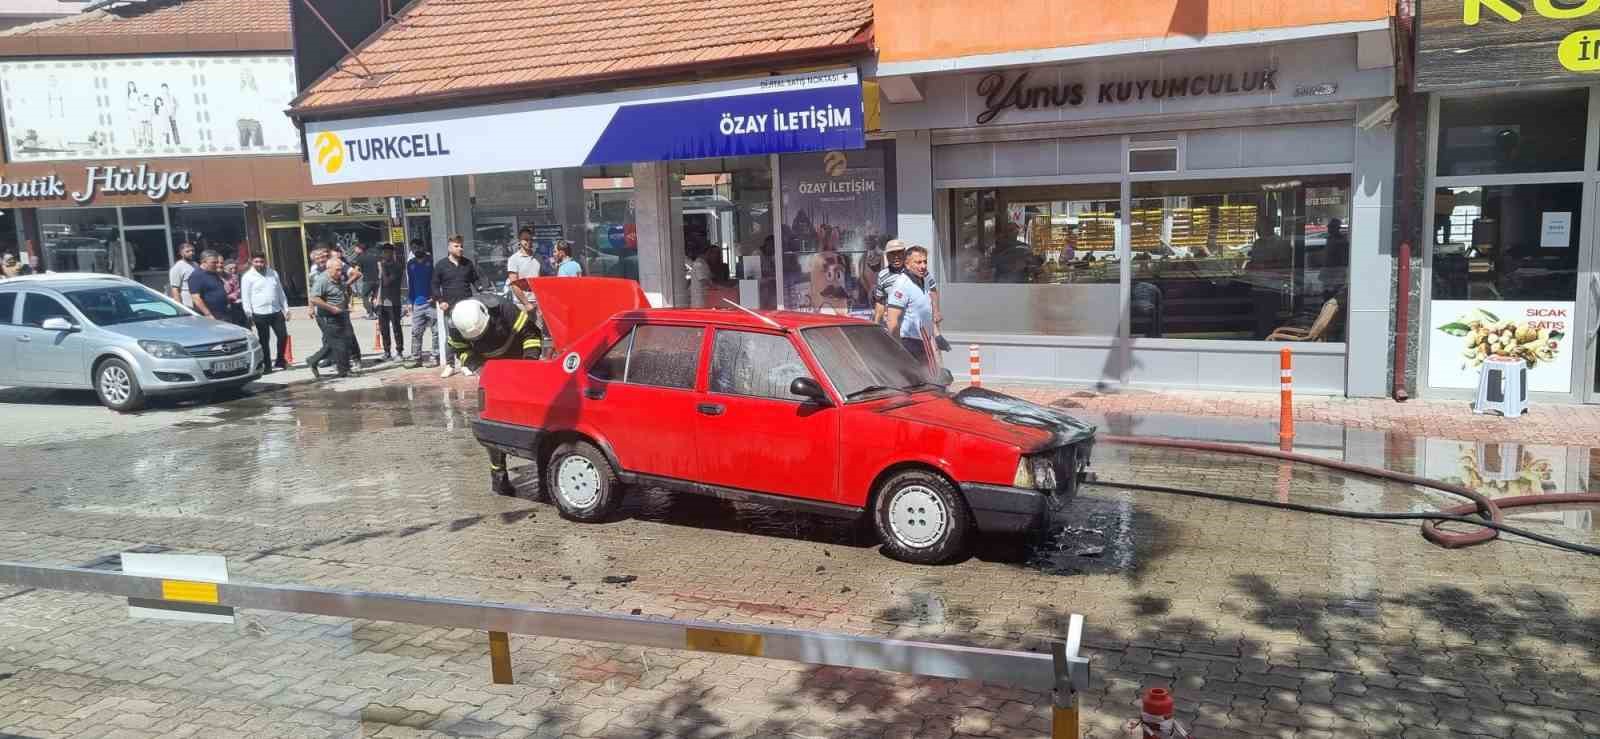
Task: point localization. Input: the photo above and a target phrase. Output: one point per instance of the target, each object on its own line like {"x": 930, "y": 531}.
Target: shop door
{"x": 1589, "y": 301}
{"x": 288, "y": 254}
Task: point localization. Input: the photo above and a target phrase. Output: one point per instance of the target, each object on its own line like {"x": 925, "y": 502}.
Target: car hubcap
{"x": 578, "y": 481}
{"x": 115, "y": 384}
{"x": 917, "y": 517}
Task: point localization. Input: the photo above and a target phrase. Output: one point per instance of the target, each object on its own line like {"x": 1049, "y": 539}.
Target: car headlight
{"x": 163, "y": 349}
{"x": 1035, "y": 472}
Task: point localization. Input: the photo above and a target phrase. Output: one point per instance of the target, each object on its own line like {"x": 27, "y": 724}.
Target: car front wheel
{"x": 118, "y": 386}
{"x": 582, "y": 482}
{"x": 922, "y": 518}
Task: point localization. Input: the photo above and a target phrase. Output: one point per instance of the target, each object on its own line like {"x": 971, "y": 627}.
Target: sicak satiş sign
{"x": 1480, "y": 43}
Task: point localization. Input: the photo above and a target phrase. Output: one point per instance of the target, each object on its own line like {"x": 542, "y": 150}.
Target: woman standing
{"x": 133, "y": 110}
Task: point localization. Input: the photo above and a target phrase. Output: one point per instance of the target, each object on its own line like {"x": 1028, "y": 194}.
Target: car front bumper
{"x": 1002, "y": 509}
{"x": 168, "y": 376}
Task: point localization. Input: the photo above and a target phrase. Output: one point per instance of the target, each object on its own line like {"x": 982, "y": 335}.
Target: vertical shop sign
{"x": 837, "y": 205}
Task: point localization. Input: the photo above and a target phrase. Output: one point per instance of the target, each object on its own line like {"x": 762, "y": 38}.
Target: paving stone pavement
{"x": 1265, "y": 623}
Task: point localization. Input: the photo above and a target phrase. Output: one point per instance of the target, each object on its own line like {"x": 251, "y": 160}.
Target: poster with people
{"x": 837, "y": 208}
{"x": 67, "y": 109}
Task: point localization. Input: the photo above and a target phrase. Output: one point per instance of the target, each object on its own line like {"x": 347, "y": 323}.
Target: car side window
{"x": 665, "y": 356}
{"x": 755, "y": 364}
{"x": 36, "y": 309}
{"x": 8, "y": 306}
{"x": 614, "y": 365}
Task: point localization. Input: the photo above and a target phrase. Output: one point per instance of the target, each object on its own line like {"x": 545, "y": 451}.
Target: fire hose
{"x": 1484, "y": 513}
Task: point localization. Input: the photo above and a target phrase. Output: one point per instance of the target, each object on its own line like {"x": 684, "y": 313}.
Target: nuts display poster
{"x": 1465, "y": 333}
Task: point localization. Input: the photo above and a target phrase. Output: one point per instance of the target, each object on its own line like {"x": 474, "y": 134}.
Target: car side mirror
{"x": 945, "y": 378}
{"x": 808, "y": 388}
{"x": 58, "y": 324}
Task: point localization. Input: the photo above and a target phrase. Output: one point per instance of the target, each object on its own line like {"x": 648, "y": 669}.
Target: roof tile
{"x": 462, "y": 45}
{"x": 166, "y": 19}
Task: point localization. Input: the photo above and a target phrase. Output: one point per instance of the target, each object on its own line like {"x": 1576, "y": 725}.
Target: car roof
{"x": 734, "y": 318}
{"x": 65, "y": 280}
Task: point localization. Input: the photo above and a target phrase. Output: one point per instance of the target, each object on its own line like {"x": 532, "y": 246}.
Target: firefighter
{"x": 490, "y": 327}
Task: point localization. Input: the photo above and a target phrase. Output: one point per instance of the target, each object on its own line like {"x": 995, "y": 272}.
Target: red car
{"x": 820, "y": 413}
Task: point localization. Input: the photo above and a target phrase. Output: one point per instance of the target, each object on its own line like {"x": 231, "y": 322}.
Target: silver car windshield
{"x": 861, "y": 359}
{"x": 116, "y": 304}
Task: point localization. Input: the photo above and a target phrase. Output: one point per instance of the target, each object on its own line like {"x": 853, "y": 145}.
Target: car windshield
{"x": 861, "y": 359}
{"x": 114, "y": 304}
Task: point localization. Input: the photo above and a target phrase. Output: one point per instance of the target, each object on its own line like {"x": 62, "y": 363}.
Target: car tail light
{"x": 1035, "y": 472}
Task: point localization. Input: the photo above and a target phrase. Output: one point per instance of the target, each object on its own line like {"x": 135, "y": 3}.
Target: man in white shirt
{"x": 894, "y": 264}
{"x": 910, "y": 309}
{"x": 261, "y": 293}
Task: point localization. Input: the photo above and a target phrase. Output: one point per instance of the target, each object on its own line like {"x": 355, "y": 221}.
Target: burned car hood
{"x": 996, "y": 416}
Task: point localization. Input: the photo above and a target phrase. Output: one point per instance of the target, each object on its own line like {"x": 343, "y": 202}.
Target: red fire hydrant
{"x": 1156, "y": 719}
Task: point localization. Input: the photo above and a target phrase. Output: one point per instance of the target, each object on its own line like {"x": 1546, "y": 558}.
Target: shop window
{"x": 344, "y": 235}
{"x": 1036, "y": 235}
{"x": 1513, "y": 132}
{"x": 150, "y": 256}
{"x": 280, "y": 212}
{"x": 1241, "y": 259}
{"x": 1506, "y": 242}
{"x": 146, "y": 216}
{"x": 81, "y": 240}
{"x": 219, "y": 228}
{"x": 591, "y": 206}
{"x": 726, "y": 207}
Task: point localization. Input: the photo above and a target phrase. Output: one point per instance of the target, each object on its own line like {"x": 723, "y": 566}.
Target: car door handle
{"x": 594, "y": 393}
{"x": 24, "y": 339}
{"x": 711, "y": 409}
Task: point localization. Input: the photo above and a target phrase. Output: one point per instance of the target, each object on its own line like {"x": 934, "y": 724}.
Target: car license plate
{"x": 228, "y": 366}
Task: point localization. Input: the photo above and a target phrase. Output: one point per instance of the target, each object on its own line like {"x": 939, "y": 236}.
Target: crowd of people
{"x": 451, "y": 291}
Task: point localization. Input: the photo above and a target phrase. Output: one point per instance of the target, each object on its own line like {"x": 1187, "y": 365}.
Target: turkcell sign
{"x": 817, "y": 111}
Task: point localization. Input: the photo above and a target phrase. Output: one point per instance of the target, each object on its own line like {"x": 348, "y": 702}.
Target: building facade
{"x": 1510, "y": 165}
{"x": 1162, "y": 201}
{"x": 132, "y": 130}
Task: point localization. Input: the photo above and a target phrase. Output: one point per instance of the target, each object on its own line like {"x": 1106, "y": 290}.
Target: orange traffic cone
{"x": 377, "y": 337}
{"x": 288, "y": 351}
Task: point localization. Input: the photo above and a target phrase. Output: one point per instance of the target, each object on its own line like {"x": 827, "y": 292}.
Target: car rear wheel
{"x": 582, "y": 482}
{"x": 922, "y": 518}
{"x": 117, "y": 386}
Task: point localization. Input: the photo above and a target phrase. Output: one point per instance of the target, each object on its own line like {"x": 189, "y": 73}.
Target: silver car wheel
{"x": 917, "y": 517}
{"x": 115, "y": 384}
{"x": 578, "y": 482}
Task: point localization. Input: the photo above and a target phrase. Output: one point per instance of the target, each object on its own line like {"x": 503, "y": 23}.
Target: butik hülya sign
{"x": 1470, "y": 43}
{"x": 155, "y": 184}
{"x": 818, "y": 111}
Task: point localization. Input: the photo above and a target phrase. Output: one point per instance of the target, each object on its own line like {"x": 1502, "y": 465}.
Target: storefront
{"x": 190, "y": 149}
{"x": 1509, "y": 264}
{"x": 703, "y": 192}
{"x": 1168, "y": 219}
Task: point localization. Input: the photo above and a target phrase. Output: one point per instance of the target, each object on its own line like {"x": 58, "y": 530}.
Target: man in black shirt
{"x": 367, "y": 262}
{"x": 455, "y": 278}
{"x": 390, "y": 278}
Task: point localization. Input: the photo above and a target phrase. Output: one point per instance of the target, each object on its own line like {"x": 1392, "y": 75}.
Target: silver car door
{"x": 49, "y": 357}
{"x": 8, "y": 337}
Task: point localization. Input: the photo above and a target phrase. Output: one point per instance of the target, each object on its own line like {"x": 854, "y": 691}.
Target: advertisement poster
{"x": 69, "y": 109}
{"x": 1466, "y": 332}
{"x": 837, "y": 205}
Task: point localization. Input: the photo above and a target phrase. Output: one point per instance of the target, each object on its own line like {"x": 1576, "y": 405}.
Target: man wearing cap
{"x": 894, "y": 264}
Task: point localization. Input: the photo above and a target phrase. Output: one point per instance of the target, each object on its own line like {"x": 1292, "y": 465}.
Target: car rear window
{"x": 664, "y": 356}
{"x": 8, "y": 305}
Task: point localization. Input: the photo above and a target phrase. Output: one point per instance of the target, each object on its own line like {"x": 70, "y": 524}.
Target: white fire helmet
{"x": 470, "y": 318}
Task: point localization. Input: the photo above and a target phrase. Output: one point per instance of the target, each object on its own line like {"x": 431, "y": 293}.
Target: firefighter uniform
{"x": 511, "y": 333}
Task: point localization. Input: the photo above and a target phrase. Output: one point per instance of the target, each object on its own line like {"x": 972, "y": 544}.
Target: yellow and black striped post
{"x": 500, "y": 657}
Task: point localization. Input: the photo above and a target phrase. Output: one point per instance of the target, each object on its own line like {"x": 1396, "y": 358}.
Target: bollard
{"x": 1155, "y": 718}
{"x": 1286, "y": 401}
{"x": 975, "y": 364}
{"x": 1071, "y": 678}
{"x": 377, "y": 336}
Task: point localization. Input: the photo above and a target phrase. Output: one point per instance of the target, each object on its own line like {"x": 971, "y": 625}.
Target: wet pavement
{"x": 1264, "y": 622}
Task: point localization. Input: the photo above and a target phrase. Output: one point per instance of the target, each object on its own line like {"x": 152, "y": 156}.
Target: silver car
{"x": 117, "y": 337}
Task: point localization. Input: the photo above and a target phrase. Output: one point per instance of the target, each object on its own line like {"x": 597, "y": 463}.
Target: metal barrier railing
{"x": 1063, "y": 672}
